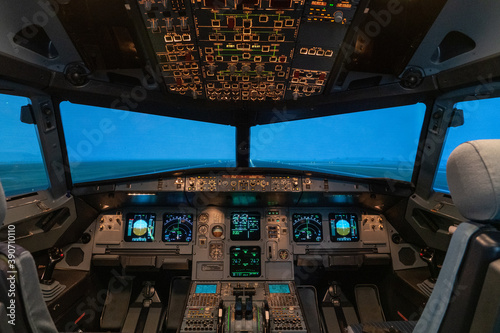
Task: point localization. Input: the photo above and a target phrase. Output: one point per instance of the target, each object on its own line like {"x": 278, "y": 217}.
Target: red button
{"x": 230, "y": 22}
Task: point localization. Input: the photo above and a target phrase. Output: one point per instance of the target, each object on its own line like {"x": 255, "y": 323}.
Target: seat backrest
{"x": 473, "y": 173}
{"x": 22, "y": 308}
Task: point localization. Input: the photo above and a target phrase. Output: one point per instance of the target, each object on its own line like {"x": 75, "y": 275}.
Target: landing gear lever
{"x": 428, "y": 255}
{"x": 55, "y": 255}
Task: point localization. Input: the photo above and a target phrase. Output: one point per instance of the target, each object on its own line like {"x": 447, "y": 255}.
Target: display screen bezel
{"x": 202, "y": 289}
{"x": 127, "y": 237}
{"x": 302, "y": 216}
{"x": 232, "y": 267}
{"x": 251, "y": 236}
{"x": 276, "y": 288}
{"x": 334, "y": 236}
{"x": 179, "y": 215}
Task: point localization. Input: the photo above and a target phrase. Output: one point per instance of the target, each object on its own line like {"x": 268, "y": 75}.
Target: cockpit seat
{"x": 21, "y": 301}
{"x": 462, "y": 297}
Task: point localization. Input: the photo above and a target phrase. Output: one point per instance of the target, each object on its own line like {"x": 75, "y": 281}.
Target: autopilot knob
{"x": 55, "y": 255}
{"x": 338, "y": 16}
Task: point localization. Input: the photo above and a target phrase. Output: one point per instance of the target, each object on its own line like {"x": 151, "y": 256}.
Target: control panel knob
{"x": 295, "y": 95}
{"x": 169, "y": 24}
{"x": 338, "y": 16}
{"x": 259, "y": 69}
{"x": 211, "y": 69}
{"x": 245, "y": 69}
{"x": 232, "y": 68}
{"x": 147, "y": 5}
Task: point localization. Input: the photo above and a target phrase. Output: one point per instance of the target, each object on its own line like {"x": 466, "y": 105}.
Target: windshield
{"x": 377, "y": 143}
{"x": 105, "y": 143}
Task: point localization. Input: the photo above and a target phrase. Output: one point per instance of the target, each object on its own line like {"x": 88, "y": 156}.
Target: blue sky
{"x": 390, "y": 134}
{"x": 99, "y": 134}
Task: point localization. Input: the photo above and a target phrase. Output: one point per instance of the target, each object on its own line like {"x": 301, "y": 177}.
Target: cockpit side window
{"x": 481, "y": 121}
{"x": 105, "y": 143}
{"x": 22, "y": 169}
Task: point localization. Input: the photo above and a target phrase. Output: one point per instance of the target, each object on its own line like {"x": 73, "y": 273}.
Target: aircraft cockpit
{"x": 249, "y": 166}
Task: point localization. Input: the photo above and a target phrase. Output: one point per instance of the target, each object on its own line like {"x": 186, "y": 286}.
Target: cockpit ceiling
{"x": 248, "y": 51}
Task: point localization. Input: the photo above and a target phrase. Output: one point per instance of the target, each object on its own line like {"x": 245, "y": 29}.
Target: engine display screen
{"x": 307, "y": 228}
{"x": 245, "y": 226}
{"x": 279, "y": 289}
{"x": 177, "y": 228}
{"x": 344, "y": 227}
{"x": 205, "y": 289}
{"x": 140, "y": 227}
{"x": 244, "y": 261}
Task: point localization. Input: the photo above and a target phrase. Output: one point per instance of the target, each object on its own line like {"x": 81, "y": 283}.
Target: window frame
{"x": 436, "y": 134}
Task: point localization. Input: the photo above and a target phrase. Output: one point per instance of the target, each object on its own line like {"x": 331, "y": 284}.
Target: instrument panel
{"x": 236, "y": 242}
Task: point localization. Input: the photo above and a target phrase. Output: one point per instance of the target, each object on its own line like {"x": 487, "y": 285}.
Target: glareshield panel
{"x": 481, "y": 121}
{"x": 106, "y": 144}
{"x": 378, "y": 143}
{"x": 22, "y": 169}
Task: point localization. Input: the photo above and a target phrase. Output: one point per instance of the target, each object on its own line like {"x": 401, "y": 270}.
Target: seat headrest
{"x": 3, "y": 205}
{"x": 473, "y": 173}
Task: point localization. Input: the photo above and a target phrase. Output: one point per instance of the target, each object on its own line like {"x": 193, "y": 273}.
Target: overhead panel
{"x": 250, "y": 50}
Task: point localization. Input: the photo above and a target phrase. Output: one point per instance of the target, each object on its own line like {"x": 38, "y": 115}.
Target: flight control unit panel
{"x": 253, "y": 50}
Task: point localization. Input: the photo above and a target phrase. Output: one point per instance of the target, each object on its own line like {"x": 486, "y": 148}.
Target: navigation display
{"x": 307, "y": 228}
{"x": 140, "y": 227}
{"x": 279, "y": 289}
{"x": 245, "y": 226}
{"x": 344, "y": 227}
{"x": 205, "y": 289}
{"x": 177, "y": 228}
{"x": 244, "y": 261}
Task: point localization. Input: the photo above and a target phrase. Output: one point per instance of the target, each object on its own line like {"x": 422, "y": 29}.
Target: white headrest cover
{"x": 473, "y": 173}
{"x": 3, "y": 205}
